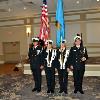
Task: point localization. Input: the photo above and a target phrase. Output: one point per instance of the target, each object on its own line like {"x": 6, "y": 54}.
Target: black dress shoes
{"x": 48, "y": 91}
{"x": 39, "y": 90}
{"x": 65, "y": 92}
{"x": 75, "y": 91}
{"x": 33, "y": 90}
{"x": 61, "y": 91}
{"x": 81, "y": 91}
{"x": 52, "y": 91}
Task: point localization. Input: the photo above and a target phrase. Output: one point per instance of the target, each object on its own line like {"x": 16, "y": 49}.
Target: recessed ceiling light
{"x": 24, "y": 8}
{"x": 77, "y": 2}
{"x": 98, "y": 0}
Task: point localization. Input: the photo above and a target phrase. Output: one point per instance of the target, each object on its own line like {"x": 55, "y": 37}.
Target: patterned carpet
{"x": 19, "y": 86}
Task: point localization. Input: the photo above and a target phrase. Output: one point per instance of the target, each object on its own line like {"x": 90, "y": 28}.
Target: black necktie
{"x": 62, "y": 56}
{"x": 50, "y": 54}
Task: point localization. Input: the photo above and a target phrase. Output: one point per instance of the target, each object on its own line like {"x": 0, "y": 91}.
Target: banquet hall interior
{"x": 20, "y": 21}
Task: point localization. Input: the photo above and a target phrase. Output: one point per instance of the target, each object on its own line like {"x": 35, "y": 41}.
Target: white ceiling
{"x": 11, "y": 8}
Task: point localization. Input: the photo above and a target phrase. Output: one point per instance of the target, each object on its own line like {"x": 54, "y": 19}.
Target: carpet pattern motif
{"x": 19, "y": 86}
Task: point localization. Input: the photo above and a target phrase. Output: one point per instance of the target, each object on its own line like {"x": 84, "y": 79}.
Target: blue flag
{"x": 60, "y": 34}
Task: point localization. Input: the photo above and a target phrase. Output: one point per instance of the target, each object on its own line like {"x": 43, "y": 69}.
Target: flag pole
{"x": 61, "y": 42}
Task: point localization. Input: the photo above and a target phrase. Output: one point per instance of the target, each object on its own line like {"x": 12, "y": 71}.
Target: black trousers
{"x": 50, "y": 77}
{"x": 63, "y": 79}
{"x": 78, "y": 78}
{"x": 37, "y": 78}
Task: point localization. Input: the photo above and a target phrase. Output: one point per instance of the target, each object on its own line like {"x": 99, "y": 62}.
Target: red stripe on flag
{"x": 44, "y": 29}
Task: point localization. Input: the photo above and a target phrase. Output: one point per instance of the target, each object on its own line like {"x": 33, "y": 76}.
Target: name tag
{"x": 74, "y": 50}
{"x": 38, "y": 51}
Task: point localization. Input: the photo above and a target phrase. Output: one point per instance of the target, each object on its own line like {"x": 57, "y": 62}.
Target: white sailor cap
{"x": 35, "y": 39}
{"x": 77, "y": 37}
{"x": 63, "y": 41}
{"x": 49, "y": 42}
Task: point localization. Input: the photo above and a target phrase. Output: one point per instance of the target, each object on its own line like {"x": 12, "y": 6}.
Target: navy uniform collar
{"x": 78, "y": 48}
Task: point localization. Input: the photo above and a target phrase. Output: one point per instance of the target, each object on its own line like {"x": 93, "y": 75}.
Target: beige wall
{"x": 1, "y": 48}
{"x": 93, "y": 32}
{"x": 86, "y": 22}
{"x": 12, "y": 34}
{"x": 1, "y": 52}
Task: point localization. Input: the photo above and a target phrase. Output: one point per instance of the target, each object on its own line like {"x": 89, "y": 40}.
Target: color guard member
{"x": 63, "y": 69}
{"x": 77, "y": 57}
{"x": 35, "y": 63}
{"x": 49, "y": 56}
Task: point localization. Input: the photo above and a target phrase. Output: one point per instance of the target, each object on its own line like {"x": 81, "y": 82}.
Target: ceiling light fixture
{"x": 77, "y": 2}
{"x": 24, "y": 8}
{"x": 98, "y": 0}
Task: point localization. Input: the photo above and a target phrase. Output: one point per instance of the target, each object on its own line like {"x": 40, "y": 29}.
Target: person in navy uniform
{"x": 62, "y": 55}
{"x": 49, "y": 56}
{"x": 35, "y": 52}
{"x": 77, "y": 57}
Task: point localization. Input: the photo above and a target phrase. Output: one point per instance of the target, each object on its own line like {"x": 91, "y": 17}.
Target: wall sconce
{"x": 28, "y": 30}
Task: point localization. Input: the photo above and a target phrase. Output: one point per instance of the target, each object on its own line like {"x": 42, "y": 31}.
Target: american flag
{"x": 44, "y": 29}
